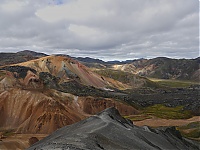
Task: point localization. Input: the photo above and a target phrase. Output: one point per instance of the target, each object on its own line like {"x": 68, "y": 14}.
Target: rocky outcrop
{"x": 108, "y": 130}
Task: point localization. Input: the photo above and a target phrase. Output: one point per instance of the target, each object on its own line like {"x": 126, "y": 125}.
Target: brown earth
{"x": 18, "y": 141}
{"x": 27, "y": 106}
{"x": 158, "y": 122}
{"x": 91, "y": 105}
{"x": 43, "y": 112}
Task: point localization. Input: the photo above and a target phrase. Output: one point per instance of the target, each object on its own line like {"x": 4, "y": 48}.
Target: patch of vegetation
{"x": 138, "y": 117}
{"x": 126, "y": 77}
{"x": 191, "y": 130}
{"x": 2, "y": 73}
{"x": 191, "y": 125}
{"x": 162, "y": 111}
{"x": 192, "y": 134}
{"x": 8, "y": 133}
{"x": 116, "y": 75}
{"x": 173, "y": 83}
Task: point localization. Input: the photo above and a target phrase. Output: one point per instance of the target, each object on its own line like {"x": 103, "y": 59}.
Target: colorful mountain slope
{"x": 67, "y": 69}
{"x": 31, "y": 100}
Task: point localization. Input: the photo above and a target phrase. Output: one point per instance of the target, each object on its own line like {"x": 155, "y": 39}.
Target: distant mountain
{"x": 166, "y": 68}
{"x": 109, "y": 131}
{"x": 22, "y": 56}
{"x": 89, "y": 60}
{"x": 123, "y": 62}
{"x": 31, "y": 53}
{"x": 161, "y": 67}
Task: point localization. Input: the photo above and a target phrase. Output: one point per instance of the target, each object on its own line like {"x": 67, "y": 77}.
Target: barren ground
{"x": 158, "y": 122}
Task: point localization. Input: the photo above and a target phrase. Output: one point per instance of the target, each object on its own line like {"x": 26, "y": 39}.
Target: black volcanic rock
{"x": 21, "y": 70}
{"x": 109, "y": 131}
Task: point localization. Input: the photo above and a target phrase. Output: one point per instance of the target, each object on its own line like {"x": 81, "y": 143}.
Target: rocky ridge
{"x": 108, "y": 130}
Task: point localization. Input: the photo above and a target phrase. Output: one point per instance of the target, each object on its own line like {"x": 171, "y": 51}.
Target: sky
{"x": 103, "y": 29}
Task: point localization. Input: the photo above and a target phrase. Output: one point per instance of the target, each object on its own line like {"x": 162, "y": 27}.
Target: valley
{"x": 40, "y": 94}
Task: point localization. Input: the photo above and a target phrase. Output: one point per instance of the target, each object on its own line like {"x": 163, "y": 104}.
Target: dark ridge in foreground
{"x": 109, "y": 131}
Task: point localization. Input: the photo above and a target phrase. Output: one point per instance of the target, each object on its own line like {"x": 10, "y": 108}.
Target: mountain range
{"x": 40, "y": 94}
{"x": 160, "y": 67}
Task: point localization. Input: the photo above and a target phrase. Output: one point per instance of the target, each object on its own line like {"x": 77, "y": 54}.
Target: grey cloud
{"x": 119, "y": 29}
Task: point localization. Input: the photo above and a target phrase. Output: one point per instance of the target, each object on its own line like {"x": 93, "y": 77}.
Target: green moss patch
{"x": 191, "y": 130}
{"x": 138, "y": 117}
{"x": 7, "y": 133}
{"x": 173, "y": 83}
{"x": 127, "y": 78}
{"x": 162, "y": 111}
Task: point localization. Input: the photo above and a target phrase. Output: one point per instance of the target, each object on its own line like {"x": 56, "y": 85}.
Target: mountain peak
{"x": 114, "y": 114}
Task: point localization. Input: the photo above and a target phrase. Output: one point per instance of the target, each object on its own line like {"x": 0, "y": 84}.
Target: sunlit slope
{"x": 67, "y": 69}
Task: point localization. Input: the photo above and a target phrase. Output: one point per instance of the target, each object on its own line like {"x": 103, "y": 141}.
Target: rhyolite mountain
{"x": 40, "y": 94}
{"x": 160, "y": 67}
{"x": 109, "y": 131}
{"x": 66, "y": 75}
{"x": 44, "y": 94}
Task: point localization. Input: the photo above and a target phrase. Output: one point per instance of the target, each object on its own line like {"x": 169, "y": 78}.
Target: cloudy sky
{"x": 104, "y": 29}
